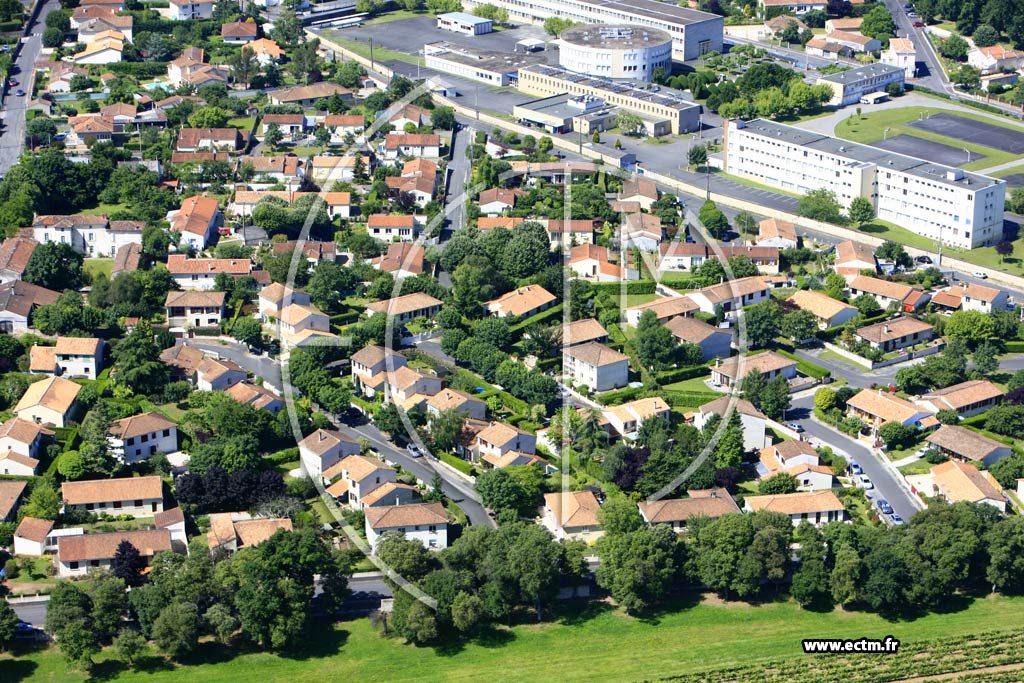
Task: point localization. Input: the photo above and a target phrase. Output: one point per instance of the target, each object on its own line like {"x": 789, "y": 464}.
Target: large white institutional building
{"x": 938, "y": 202}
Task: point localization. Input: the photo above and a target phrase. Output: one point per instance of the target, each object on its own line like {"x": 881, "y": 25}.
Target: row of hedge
{"x": 831, "y": 333}
{"x": 348, "y": 318}
{"x": 366, "y": 406}
{"x": 283, "y": 457}
{"x": 632, "y": 287}
{"x": 458, "y": 463}
{"x": 543, "y": 316}
{"x": 1015, "y": 346}
{"x": 806, "y": 367}
{"x": 680, "y": 374}
{"x": 689, "y": 399}
{"x": 137, "y": 69}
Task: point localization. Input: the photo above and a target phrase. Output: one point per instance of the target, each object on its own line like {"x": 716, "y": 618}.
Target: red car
{"x": 918, "y": 24}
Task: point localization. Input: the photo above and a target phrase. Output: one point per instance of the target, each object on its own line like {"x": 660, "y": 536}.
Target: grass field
{"x": 380, "y": 54}
{"x": 597, "y": 645}
{"x": 692, "y": 384}
{"x": 870, "y": 127}
{"x": 96, "y": 266}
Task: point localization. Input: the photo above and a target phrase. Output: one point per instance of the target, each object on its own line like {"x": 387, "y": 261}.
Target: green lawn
{"x": 242, "y": 122}
{"x": 96, "y": 266}
{"x": 362, "y": 49}
{"x": 871, "y": 127}
{"x": 596, "y": 646}
{"x": 692, "y": 384}
{"x": 637, "y": 299}
{"x": 921, "y": 466}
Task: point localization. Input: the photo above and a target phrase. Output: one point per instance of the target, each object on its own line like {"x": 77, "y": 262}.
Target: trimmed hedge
{"x": 614, "y": 398}
{"x": 543, "y": 316}
{"x": 683, "y": 283}
{"x": 458, "y": 463}
{"x": 368, "y": 408}
{"x": 806, "y": 367}
{"x": 633, "y": 287}
{"x": 283, "y": 456}
{"x": 345, "y": 318}
{"x": 832, "y": 332}
{"x": 680, "y": 374}
{"x": 137, "y": 69}
{"x": 689, "y": 399}
{"x": 1015, "y": 347}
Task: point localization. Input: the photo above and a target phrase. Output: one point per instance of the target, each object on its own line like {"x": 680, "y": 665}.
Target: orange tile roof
{"x": 137, "y": 425}
{"x": 889, "y": 330}
{"x": 797, "y": 503}
{"x": 964, "y": 394}
{"x": 413, "y": 514}
{"x": 108, "y": 490}
{"x": 34, "y": 529}
{"x": 964, "y": 442}
{"x": 574, "y": 508}
{"x": 103, "y": 546}
{"x": 409, "y": 303}
{"x": 522, "y": 300}
{"x": 712, "y": 504}
{"x": 960, "y": 481}
{"x": 10, "y": 493}
{"x": 885, "y": 406}
{"x": 55, "y": 393}
{"x": 596, "y": 354}
{"x": 820, "y": 304}
{"x": 765, "y": 362}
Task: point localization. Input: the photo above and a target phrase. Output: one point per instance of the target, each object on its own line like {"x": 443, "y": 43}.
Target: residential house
{"x": 676, "y": 512}
{"x": 51, "y": 401}
{"x": 797, "y": 7}
{"x": 957, "y": 482}
{"x": 731, "y": 371}
{"x": 275, "y": 296}
{"x": 390, "y": 495}
{"x": 402, "y": 260}
{"x": 423, "y": 522}
{"x": 398, "y": 145}
{"x": 967, "y": 398}
{"x": 900, "y": 296}
{"x": 93, "y": 128}
{"x": 876, "y": 407}
{"x": 898, "y": 333}
{"x": 362, "y": 476}
{"x": 70, "y": 357}
{"x": 196, "y": 222}
{"x": 798, "y": 459}
{"x": 498, "y": 200}
{"x": 133, "y": 439}
{"x": 308, "y": 94}
{"x": 266, "y": 51}
{"x": 664, "y": 309}
{"x": 173, "y": 520}
{"x": 182, "y": 360}
{"x": 714, "y": 342}
{"x": 572, "y": 515}
{"x": 232, "y": 531}
{"x": 212, "y": 139}
{"x": 642, "y": 231}
{"x": 370, "y": 366}
{"x": 581, "y": 332}
{"x": 995, "y": 59}
{"x": 35, "y": 537}
{"x": 60, "y": 77}
{"x": 23, "y": 438}
{"x": 324, "y": 448}
{"x": 854, "y": 257}
{"x": 127, "y": 259}
{"x": 855, "y": 42}
{"x": 11, "y": 496}
{"x": 315, "y": 250}
{"x": 14, "y": 255}
{"x": 201, "y": 273}
{"x": 136, "y": 496}
{"x": 567, "y": 234}
{"x": 975, "y": 297}
{"x": 458, "y": 401}
{"x": 816, "y": 507}
{"x": 282, "y": 168}
{"x": 406, "y": 308}
{"x": 596, "y": 366}
{"x": 390, "y": 227}
{"x": 407, "y": 114}
{"x": 967, "y": 445}
{"x": 215, "y": 374}
{"x": 731, "y": 295}
{"x": 108, "y": 47}
{"x": 902, "y": 53}
{"x": 420, "y": 184}
{"x": 87, "y": 234}
{"x": 522, "y": 302}
{"x": 17, "y": 301}
{"x": 625, "y": 419}
{"x": 410, "y": 388}
{"x": 752, "y": 420}
{"x": 515, "y": 459}
{"x": 257, "y": 396}
{"x": 186, "y": 10}
{"x": 498, "y": 439}
{"x": 772, "y": 232}
{"x": 829, "y": 312}
{"x": 14, "y": 464}
{"x": 238, "y": 32}
{"x": 590, "y": 262}
{"x": 640, "y": 190}
{"x": 77, "y": 555}
{"x": 292, "y": 126}
{"x": 297, "y": 324}
{"x": 194, "y": 309}
{"x": 342, "y": 125}
{"x": 329, "y": 169}
{"x": 120, "y": 113}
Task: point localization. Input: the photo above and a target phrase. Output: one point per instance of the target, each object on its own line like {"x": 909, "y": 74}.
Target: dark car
{"x": 924, "y": 259}
{"x": 918, "y": 24}
{"x": 12, "y": 82}
{"x": 884, "y": 506}
{"x": 20, "y": 92}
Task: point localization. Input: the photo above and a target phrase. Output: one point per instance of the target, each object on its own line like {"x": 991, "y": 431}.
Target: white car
{"x": 865, "y": 482}
{"x": 979, "y": 274}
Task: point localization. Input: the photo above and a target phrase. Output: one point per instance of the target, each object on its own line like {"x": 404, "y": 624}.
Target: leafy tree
{"x": 620, "y": 515}
{"x": 129, "y": 644}
{"x": 500, "y": 491}
{"x": 109, "y": 603}
{"x": 966, "y": 76}
{"x": 799, "y": 325}
{"x": 878, "y": 22}
{"x": 1005, "y": 544}
{"x": 753, "y": 386}
{"x": 746, "y": 223}
{"x": 811, "y": 579}
{"x": 127, "y": 563}
{"x": 654, "y": 343}
{"x": 762, "y": 323}
{"x": 861, "y": 210}
{"x": 954, "y": 47}
{"x": 221, "y": 621}
{"x": 712, "y": 218}
{"x": 554, "y": 26}
{"x": 972, "y": 326}
{"x": 138, "y": 363}
{"x": 287, "y": 28}
{"x": 846, "y": 577}
{"x": 896, "y": 434}
{"x": 777, "y": 484}
{"x": 825, "y": 400}
{"x": 499, "y": 15}
{"x": 985, "y": 36}
{"x": 697, "y": 156}
{"x": 249, "y": 331}
{"x": 43, "y": 502}
{"x": 1004, "y": 248}
{"x": 273, "y": 136}
{"x": 628, "y": 123}
{"x": 775, "y": 399}
{"x": 176, "y": 630}
{"x": 984, "y": 358}
{"x": 209, "y": 117}
{"x": 867, "y": 305}
{"x": 493, "y": 330}
{"x": 445, "y": 428}
{"x": 56, "y": 266}
{"x": 69, "y": 620}
{"x": 8, "y": 623}
{"x": 467, "y": 611}
{"x": 638, "y": 567}
{"x": 820, "y": 205}
{"x": 894, "y": 252}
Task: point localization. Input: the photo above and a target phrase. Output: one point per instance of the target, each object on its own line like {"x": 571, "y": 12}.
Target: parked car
{"x": 12, "y": 82}
{"x": 918, "y": 24}
{"x": 924, "y": 259}
{"x": 796, "y": 427}
{"x": 884, "y": 506}
{"x": 855, "y": 468}
{"x": 19, "y": 92}
{"x": 414, "y": 450}
{"x": 866, "y": 483}
{"x": 896, "y": 519}
{"x": 979, "y": 274}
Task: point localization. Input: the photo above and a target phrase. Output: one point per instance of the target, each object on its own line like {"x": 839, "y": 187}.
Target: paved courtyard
{"x": 928, "y": 150}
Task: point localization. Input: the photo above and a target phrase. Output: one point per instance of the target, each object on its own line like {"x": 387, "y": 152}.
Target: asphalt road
{"x": 12, "y": 139}
{"x": 885, "y": 481}
{"x": 458, "y": 175}
{"x": 267, "y": 368}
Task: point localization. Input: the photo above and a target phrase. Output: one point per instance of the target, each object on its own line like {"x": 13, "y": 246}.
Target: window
{"x": 117, "y": 505}
{"x": 72, "y": 565}
{"x": 138, "y": 503}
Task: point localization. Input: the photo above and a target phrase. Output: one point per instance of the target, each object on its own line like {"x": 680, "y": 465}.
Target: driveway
{"x": 262, "y": 366}
{"x": 886, "y": 483}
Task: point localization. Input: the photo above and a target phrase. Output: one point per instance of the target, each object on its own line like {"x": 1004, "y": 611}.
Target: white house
{"x": 370, "y": 366}
{"x": 423, "y": 522}
{"x": 391, "y": 227}
{"x": 975, "y": 297}
{"x": 276, "y": 296}
{"x": 625, "y": 419}
{"x": 817, "y": 507}
{"x": 829, "y": 312}
{"x": 731, "y": 371}
{"x": 522, "y": 302}
{"x": 498, "y": 438}
{"x": 201, "y": 274}
{"x": 406, "y": 308}
{"x": 731, "y": 295}
{"x": 773, "y": 232}
{"x": 362, "y": 475}
{"x": 20, "y": 446}
{"x": 196, "y": 221}
{"x": 751, "y": 419}
{"x": 36, "y": 537}
{"x": 797, "y": 459}
{"x": 572, "y": 515}
{"x": 458, "y": 401}
{"x": 968, "y": 399}
{"x": 94, "y": 236}
{"x": 185, "y": 10}
{"x": 322, "y": 449}
{"x": 590, "y": 262}
{"x": 135, "y": 438}
{"x": 398, "y": 145}
{"x": 218, "y": 374}
{"x": 967, "y": 445}
{"x": 194, "y": 309}
{"x": 956, "y": 481}
{"x": 49, "y": 402}
{"x": 77, "y": 555}
{"x": 676, "y": 512}
{"x": 136, "y": 496}
{"x": 901, "y": 53}
{"x": 70, "y": 357}
{"x": 257, "y": 396}
{"x": 643, "y": 231}
{"x": 714, "y": 342}
{"x": 232, "y": 531}
{"x": 596, "y": 366}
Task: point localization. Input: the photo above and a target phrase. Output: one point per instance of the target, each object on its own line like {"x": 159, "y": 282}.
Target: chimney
{"x": 322, "y": 435}
{"x": 885, "y": 329}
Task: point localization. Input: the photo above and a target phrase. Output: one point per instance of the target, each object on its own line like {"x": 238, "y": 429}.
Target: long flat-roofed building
{"x": 963, "y": 209}
{"x": 694, "y": 33}
{"x": 486, "y": 66}
{"x": 646, "y": 100}
{"x": 849, "y": 86}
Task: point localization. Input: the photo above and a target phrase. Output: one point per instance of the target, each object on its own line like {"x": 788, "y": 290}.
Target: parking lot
{"x": 1014, "y": 180}
{"x": 977, "y": 132}
{"x": 927, "y": 149}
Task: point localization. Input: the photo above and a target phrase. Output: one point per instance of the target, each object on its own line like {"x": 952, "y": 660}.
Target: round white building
{"x": 615, "y": 50}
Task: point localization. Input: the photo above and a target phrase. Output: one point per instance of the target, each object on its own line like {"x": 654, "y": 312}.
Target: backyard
{"x": 591, "y": 642}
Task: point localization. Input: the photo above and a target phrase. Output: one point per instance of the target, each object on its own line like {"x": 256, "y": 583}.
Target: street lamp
{"x": 968, "y": 154}
{"x": 885, "y": 133}
{"x": 372, "y": 65}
